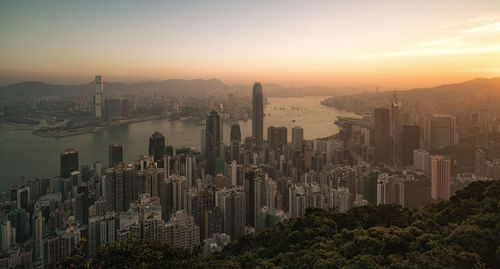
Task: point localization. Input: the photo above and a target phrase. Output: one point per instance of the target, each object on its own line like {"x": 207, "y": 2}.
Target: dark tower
{"x": 258, "y": 115}
{"x": 157, "y": 147}
{"x": 235, "y": 142}
{"x": 69, "y": 162}
{"x": 383, "y": 145}
{"x": 277, "y": 136}
{"x": 213, "y": 141}
{"x": 410, "y": 141}
{"x": 115, "y": 154}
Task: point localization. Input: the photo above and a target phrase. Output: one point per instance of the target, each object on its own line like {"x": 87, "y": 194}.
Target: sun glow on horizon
{"x": 294, "y": 43}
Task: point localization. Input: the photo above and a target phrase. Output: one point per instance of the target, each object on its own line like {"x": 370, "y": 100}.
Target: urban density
{"x": 206, "y": 198}
{"x": 250, "y": 134}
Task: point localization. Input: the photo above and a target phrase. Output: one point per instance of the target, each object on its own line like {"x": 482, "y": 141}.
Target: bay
{"x": 23, "y": 154}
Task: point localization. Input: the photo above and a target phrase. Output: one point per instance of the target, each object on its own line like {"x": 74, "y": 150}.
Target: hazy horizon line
{"x": 380, "y": 87}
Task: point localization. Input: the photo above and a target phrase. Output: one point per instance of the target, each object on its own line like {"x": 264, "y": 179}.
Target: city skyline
{"x": 392, "y": 44}
{"x": 264, "y": 134}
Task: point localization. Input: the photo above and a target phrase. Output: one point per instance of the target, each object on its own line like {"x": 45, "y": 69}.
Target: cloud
{"x": 466, "y": 41}
{"x": 456, "y": 42}
{"x": 486, "y": 28}
{"x": 433, "y": 51}
{"x": 474, "y": 21}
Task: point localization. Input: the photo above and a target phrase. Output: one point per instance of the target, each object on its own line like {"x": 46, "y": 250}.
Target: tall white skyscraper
{"x": 98, "y": 97}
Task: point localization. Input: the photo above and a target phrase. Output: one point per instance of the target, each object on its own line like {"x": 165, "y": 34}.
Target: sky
{"x": 391, "y": 44}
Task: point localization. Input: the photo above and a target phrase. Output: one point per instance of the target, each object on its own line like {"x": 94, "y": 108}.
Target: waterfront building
{"x": 68, "y": 162}
{"x": 115, "y": 154}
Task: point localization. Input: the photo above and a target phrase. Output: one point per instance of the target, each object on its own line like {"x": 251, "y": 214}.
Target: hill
{"x": 475, "y": 87}
{"x": 463, "y": 232}
{"x": 173, "y": 87}
{"x": 170, "y": 87}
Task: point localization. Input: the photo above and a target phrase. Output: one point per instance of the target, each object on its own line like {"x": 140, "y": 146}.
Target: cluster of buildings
{"x": 187, "y": 198}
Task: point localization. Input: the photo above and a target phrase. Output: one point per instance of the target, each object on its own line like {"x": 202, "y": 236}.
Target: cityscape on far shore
{"x": 237, "y": 135}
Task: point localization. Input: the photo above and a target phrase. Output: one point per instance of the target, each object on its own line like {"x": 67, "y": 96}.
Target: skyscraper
{"x": 157, "y": 147}
{"x": 297, "y": 137}
{"x": 390, "y": 190}
{"x": 98, "y": 97}
{"x": 277, "y": 136}
{"x": 383, "y": 145}
{"x": 231, "y": 202}
{"x": 212, "y": 141}
{"x": 115, "y": 154}
{"x": 181, "y": 231}
{"x": 203, "y": 142}
{"x": 81, "y": 204}
{"x": 442, "y": 131}
{"x": 120, "y": 187}
{"x": 421, "y": 160}
{"x": 441, "y": 173}
{"x": 69, "y": 162}
{"x": 258, "y": 115}
{"x": 410, "y": 141}
{"x": 480, "y": 162}
{"x": 395, "y": 129}
{"x": 235, "y": 142}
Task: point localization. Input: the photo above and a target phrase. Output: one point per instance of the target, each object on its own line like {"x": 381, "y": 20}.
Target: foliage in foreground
{"x": 463, "y": 232}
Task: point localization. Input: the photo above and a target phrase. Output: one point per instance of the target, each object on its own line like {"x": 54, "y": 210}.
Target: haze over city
{"x": 391, "y": 44}
{"x": 340, "y": 134}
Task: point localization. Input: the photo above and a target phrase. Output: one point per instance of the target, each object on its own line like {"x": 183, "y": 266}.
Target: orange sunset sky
{"x": 393, "y": 44}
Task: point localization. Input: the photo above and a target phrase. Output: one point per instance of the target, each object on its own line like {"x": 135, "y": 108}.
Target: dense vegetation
{"x": 463, "y": 232}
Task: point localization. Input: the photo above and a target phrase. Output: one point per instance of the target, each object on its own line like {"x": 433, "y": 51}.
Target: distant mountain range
{"x": 170, "y": 87}
{"x": 215, "y": 87}
{"x": 475, "y": 87}
{"x": 173, "y": 86}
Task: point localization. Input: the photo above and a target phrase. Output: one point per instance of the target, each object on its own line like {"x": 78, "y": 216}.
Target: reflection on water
{"x": 24, "y": 154}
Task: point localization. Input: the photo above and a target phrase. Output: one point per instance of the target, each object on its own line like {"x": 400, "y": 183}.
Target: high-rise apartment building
{"x": 441, "y": 177}
{"x": 231, "y": 203}
{"x": 480, "y": 162}
{"x": 57, "y": 248}
{"x": 421, "y": 160}
{"x": 277, "y": 137}
{"x": 120, "y": 186}
{"x": 181, "y": 231}
{"x": 390, "y": 190}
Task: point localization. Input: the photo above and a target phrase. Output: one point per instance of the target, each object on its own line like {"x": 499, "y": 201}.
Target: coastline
{"x": 90, "y": 129}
